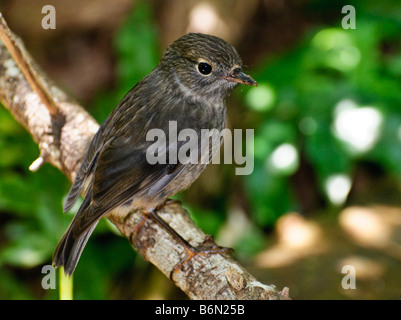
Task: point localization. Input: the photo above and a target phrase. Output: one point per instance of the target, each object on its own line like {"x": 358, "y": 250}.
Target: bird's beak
{"x": 242, "y": 78}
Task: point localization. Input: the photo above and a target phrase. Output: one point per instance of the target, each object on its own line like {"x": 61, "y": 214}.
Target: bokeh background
{"x": 325, "y": 191}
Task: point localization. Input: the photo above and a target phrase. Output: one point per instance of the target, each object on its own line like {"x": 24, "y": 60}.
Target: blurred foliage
{"x": 333, "y": 81}
{"x": 136, "y": 46}
{"x": 307, "y": 93}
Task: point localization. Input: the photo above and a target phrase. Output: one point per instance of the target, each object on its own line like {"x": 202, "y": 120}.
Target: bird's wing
{"x": 88, "y": 164}
{"x": 122, "y": 170}
{"x": 85, "y": 170}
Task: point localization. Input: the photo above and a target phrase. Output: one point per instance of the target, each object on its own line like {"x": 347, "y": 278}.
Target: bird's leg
{"x": 208, "y": 246}
{"x": 152, "y": 214}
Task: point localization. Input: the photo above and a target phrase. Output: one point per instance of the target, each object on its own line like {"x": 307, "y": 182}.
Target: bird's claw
{"x": 208, "y": 246}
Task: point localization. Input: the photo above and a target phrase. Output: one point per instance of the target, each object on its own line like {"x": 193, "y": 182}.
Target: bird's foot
{"x": 207, "y": 247}
{"x": 139, "y": 225}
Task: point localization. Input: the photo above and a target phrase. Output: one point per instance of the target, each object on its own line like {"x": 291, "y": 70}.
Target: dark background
{"x": 325, "y": 191}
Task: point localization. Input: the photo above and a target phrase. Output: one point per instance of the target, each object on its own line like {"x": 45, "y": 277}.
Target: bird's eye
{"x": 237, "y": 70}
{"x": 204, "y": 68}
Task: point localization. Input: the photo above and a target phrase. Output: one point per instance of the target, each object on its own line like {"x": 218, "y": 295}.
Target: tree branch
{"x": 63, "y": 131}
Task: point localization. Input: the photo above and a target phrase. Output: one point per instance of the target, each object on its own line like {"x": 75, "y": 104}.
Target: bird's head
{"x": 204, "y": 66}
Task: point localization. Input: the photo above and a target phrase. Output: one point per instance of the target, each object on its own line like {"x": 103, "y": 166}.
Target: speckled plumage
{"x": 115, "y": 174}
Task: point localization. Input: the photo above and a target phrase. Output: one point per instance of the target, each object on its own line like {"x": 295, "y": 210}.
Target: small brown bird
{"x": 188, "y": 87}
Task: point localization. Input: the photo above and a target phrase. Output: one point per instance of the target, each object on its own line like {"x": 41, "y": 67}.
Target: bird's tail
{"x": 70, "y": 248}
{"x": 71, "y": 245}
